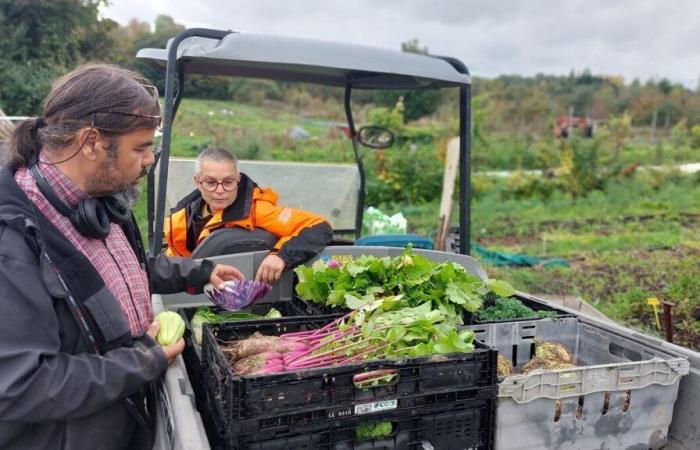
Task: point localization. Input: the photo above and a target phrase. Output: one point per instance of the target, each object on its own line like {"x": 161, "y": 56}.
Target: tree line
{"x": 46, "y": 38}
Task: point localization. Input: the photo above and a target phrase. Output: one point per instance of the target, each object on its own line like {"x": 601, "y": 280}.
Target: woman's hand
{"x": 270, "y": 269}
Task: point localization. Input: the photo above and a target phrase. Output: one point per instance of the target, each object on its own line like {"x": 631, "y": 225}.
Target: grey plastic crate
{"x": 283, "y": 290}
{"x": 470, "y": 264}
{"x": 621, "y": 396}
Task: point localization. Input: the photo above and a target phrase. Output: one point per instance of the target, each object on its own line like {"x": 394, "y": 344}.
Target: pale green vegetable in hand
{"x": 172, "y": 328}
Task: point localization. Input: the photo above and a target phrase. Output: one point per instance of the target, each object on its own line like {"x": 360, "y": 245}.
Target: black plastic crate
{"x": 466, "y": 422}
{"x": 331, "y": 388}
{"x": 192, "y": 354}
{"x": 317, "y": 309}
{"x": 470, "y": 319}
{"x": 288, "y": 308}
{"x": 212, "y": 419}
{"x": 320, "y": 419}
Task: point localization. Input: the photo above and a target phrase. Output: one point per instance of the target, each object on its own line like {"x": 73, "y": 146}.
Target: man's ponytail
{"x": 25, "y": 143}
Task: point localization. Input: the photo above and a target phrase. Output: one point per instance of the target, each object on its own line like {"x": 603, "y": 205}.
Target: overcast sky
{"x": 633, "y": 38}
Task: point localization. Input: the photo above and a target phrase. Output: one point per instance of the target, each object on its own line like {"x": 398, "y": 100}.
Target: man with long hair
{"x": 77, "y": 354}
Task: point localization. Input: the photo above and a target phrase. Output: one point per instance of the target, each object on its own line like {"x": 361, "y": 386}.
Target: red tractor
{"x": 564, "y": 125}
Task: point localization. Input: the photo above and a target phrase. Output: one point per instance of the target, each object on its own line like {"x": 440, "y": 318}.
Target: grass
{"x": 619, "y": 283}
{"x": 637, "y": 238}
{"x": 512, "y": 151}
{"x": 241, "y": 126}
{"x": 627, "y": 243}
{"x": 256, "y": 132}
{"x": 634, "y": 240}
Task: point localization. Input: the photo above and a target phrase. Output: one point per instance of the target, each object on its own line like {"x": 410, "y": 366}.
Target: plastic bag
{"x": 376, "y": 222}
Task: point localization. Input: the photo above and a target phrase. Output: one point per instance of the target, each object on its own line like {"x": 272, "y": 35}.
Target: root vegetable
{"x": 537, "y": 363}
{"x": 504, "y": 367}
{"x": 269, "y": 362}
{"x": 553, "y": 351}
{"x": 259, "y": 343}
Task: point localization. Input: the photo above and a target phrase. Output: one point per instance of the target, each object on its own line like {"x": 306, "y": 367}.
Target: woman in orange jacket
{"x": 226, "y": 198}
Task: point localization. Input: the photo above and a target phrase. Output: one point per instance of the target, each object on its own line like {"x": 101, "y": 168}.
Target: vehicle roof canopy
{"x": 311, "y": 61}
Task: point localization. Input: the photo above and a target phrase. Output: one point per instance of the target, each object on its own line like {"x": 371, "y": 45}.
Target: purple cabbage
{"x": 237, "y": 294}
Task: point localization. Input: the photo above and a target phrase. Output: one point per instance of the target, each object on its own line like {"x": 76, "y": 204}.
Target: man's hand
{"x": 270, "y": 269}
{"x": 172, "y": 350}
{"x": 223, "y": 273}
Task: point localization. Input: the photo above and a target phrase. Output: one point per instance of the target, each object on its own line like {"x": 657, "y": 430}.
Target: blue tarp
{"x": 511, "y": 259}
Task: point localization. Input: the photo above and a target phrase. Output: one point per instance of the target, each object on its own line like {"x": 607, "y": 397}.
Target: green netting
{"x": 510, "y": 259}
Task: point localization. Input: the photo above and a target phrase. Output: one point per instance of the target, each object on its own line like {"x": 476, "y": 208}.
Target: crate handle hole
{"x": 628, "y": 399}
{"x": 374, "y": 430}
{"x": 557, "y": 410}
{"x": 579, "y": 409}
{"x": 606, "y": 403}
{"x": 374, "y": 378}
{"x": 623, "y": 352}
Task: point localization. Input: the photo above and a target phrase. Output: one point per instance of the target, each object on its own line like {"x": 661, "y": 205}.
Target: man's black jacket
{"x": 55, "y": 391}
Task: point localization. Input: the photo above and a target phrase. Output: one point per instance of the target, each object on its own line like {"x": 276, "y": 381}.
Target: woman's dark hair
{"x": 114, "y": 100}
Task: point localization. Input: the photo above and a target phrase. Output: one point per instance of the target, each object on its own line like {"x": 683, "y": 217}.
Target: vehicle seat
{"x": 227, "y": 241}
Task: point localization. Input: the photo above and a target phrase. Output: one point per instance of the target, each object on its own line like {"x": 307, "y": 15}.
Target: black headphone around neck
{"x": 92, "y": 216}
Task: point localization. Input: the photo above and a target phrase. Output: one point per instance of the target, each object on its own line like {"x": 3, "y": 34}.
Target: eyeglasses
{"x": 212, "y": 185}
{"x": 147, "y": 116}
{"x": 153, "y": 91}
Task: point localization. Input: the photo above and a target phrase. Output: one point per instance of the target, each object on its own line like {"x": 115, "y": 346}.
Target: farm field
{"x": 635, "y": 236}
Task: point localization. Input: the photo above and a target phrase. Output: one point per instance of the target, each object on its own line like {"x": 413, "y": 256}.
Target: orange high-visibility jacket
{"x": 301, "y": 234}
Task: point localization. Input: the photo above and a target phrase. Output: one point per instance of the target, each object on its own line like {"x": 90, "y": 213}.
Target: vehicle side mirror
{"x": 375, "y": 137}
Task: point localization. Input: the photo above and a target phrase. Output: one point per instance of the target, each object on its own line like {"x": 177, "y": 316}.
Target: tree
{"x": 201, "y": 86}
{"x": 124, "y": 39}
{"x": 417, "y": 102}
{"x": 42, "y": 39}
{"x": 165, "y": 28}
{"x": 620, "y": 130}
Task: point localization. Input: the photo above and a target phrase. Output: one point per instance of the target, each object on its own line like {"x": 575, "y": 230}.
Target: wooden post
{"x": 570, "y": 125}
{"x": 668, "y": 320}
{"x": 6, "y": 127}
{"x": 448, "y": 188}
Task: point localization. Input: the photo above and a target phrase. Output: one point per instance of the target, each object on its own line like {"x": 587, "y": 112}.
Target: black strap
{"x": 131, "y": 231}
{"x": 85, "y": 329}
{"x": 48, "y": 192}
{"x": 132, "y": 402}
